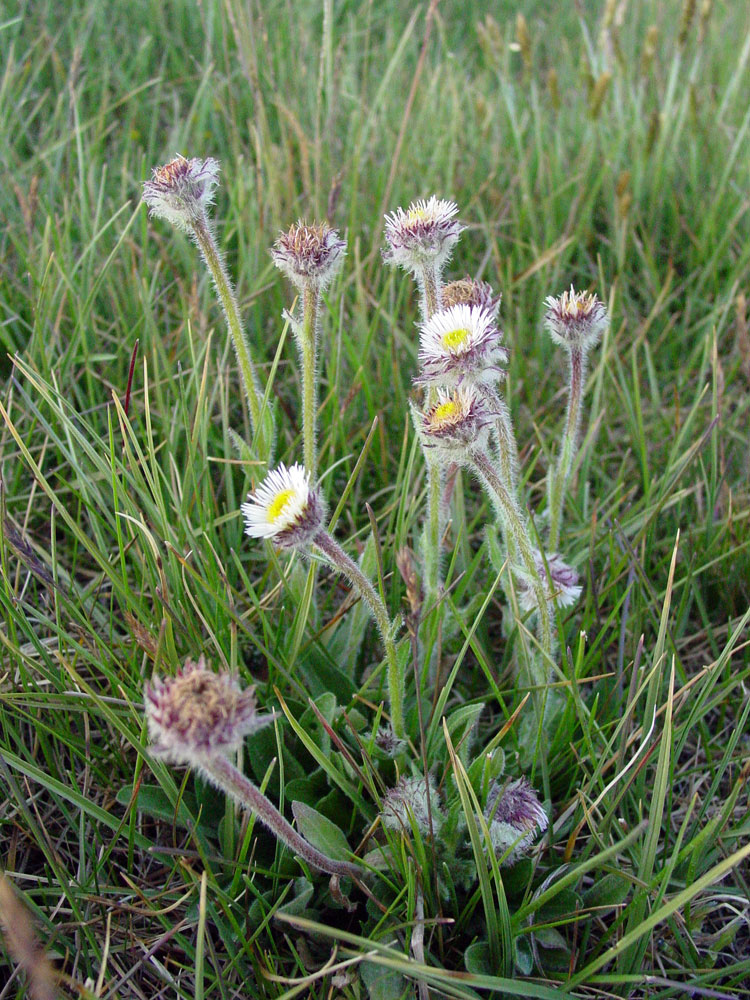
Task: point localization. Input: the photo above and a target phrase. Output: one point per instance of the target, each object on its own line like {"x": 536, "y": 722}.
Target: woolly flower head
{"x": 182, "y": 190}
{"x": 309, "y": 253}
{"x": 575, "y": 319}
{"x": 561, "y": 583}
{"x": 514, "y": 815}
{"x": 199, "y": 713}
{"x": 457, "y": 423}
{"x": 425, "y": 233}
{"x": 461, "y": 343}
{"x": 285, "y": 508}
{"x": 407, "y": 801}
{"x": 470, "y": 292}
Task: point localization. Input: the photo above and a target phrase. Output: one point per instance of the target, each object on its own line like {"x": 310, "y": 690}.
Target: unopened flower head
{"x": 409, "y": 799}
{"x": 285, "y": 508}
{"x": 561, "y": 582}
{"x": 575, "y": 319}
{"x": 199, "y": 713}
{"x": 425, "y": 233}
{"x": 309, "y": 253}
{"x": 458, "y": 422}
{"x": 470, "y": 292}
{"x": 182, "y": 190}
{"x": 515, "y": 815}
{"x": 461, "y": 344}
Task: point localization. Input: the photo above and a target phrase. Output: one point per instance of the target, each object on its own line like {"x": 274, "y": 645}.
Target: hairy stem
{"x": 342, "y": 562}
{"x": 558, "y": 480}
{"x": 260, "y": 420}
{"x": 508, "y": 510}
{"x": 224, "y": 774}
{"x": 308, "y": 342}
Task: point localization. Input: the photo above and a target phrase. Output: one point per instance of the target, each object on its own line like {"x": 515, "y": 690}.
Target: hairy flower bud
{"x": 561, "y": 582}
{"x": 199, "y": 713}
{"x": 575, "y": 319}
{"x": 309, "y": 253}
{"x": 470, "y": 292}
{"x": 456, "y": 424}
{"x": 409, "y": 800}
{"x": 514, "y": 815}
{"x": 425, "y": 233}
{"x": 182, "y": 191}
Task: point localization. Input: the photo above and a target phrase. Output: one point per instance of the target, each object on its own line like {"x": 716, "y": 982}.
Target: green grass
{"x": 601, "y": 153}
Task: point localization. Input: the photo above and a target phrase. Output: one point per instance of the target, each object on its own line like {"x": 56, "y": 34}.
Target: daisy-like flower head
{"x": 457, "y": 423}
{"x": 470, "y": 292}
{"x": 425, "y": 233}
{"x": 199, "y": 713}
{"x": 409, "y": 799}
{"x": 309, "y": 253}
{"x": 182, "y": 190}
{"x": 515, "y": 815}
{"x": 285, "y": 508}
{"x": 561, "y": 582}
{"x": 575, "y": 319}
{"x": 460, "y": 344}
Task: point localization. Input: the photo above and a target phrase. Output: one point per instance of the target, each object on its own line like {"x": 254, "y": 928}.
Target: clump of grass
{"x": 612, "y": 151}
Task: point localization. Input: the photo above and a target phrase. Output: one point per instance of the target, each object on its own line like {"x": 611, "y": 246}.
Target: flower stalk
{"x": 181, "y": 192}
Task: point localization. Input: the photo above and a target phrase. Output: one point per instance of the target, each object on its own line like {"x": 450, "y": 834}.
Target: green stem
{"x": 308, "y": 340}
{"x": 204, "y": 238}
{"x": 559, "y": 479}
{"x": 342, "y": 562}
{"x": 223, "y": 773}
{"x": 430, "y": 287}
{"x": 507, "y": 508}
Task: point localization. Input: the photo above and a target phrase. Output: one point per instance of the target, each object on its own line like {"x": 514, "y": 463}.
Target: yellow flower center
{"x": 445, "y": 411}
{"x": 416, "y": 215}
{"x": 278, "y": 504}
{"x": 455, "y": 338}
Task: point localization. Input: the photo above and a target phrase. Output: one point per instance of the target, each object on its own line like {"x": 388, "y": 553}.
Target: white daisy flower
{"x": 182, "y": 190}
{"x": 426, "y": 232}
{"x": 285, "y": 508}
{"x": 461, "y": 343}
{"x": 575, "y": 319}
{"x": 560, "y": 580}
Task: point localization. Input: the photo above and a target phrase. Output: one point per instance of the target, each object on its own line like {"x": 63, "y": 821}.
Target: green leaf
{"x": 608, "y": 891}
{"x": 153, "y": 801}
{"x": 321, "y": 832}
{"x": 383, "y": 984}
{"x": 477, "y": 959}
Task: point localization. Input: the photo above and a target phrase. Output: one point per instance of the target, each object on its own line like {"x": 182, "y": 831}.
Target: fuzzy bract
{"x": 285, "y": 508}
{"x": 182, "y": 190}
